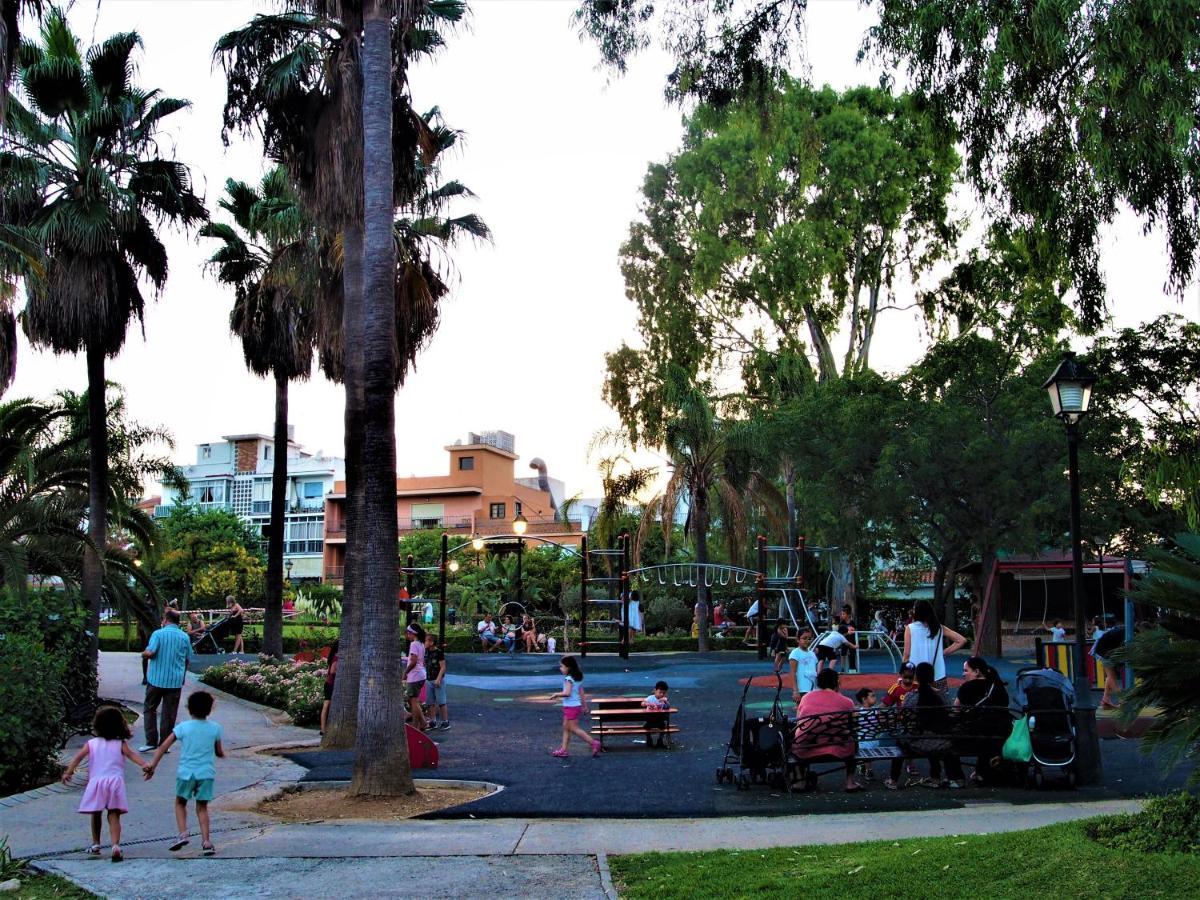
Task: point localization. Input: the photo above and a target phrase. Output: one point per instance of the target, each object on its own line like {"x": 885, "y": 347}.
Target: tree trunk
{"x": 700, "y": 511}
{"x": 93, "y": 551}
{"x": 381, "y": 765}
{"x": 789, "y": 489}
{"x": 342, "y": 726}
{"x": 988, "y": 625}
{"x": 273, "y": 617}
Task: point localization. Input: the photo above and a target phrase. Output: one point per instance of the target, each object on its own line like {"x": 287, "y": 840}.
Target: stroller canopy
{"x": 1034, "y": 679}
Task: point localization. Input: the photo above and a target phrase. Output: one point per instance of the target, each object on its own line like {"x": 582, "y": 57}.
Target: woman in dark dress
{"x": 983, "y": 689}
{"x": 237, "y": 621}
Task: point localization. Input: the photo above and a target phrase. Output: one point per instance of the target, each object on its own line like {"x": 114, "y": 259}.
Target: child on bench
{"x": 658, "y": 703}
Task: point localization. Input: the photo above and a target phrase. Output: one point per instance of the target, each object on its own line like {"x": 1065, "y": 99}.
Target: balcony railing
{"x": 303, "y": 546}
{"x": 335, "y": 574}
{"x": 445, "y": 523}
{"x": 337, "y": 528}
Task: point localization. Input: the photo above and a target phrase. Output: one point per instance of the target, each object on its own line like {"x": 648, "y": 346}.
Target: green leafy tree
{"x": 84, "y": 171}
{"x": 1166, "y": 657}
{"x": 228, "y": 569}
{"x": 269, "y": 256}
{"x": 1068, "y": 112}
{"x": 186, "y": 536}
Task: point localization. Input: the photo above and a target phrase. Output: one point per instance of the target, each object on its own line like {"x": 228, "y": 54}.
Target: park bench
{"x": 895, "y": 733}
{"x": 625, "y": 716}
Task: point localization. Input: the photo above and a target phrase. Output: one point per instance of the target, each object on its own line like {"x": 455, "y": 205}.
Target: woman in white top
{"x": 926, "y": 640}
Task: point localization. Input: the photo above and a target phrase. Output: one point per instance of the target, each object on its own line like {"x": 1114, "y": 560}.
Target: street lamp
{"x": 519, "y": 524}
{"x": 1070, "y": 389}
{"x": 288, "y": 565}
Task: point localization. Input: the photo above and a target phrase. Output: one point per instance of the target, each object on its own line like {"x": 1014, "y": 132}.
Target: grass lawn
{"x": 45, "y": 887}
{"x": 1057, "y": 861}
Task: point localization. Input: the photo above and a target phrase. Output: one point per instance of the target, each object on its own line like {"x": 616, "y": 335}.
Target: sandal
{"x": 179, "y": 844}
{"x": 208, "y": 849}
{"x": 927, "y": 782}
{"x": 596, "y": 748}
{"x": 93, "y": 850}
{"x": 891, "y": 784}
{"x": 117, "y": 856}
{"x": 560, "y": 753}
{"x": 854, "y": 788}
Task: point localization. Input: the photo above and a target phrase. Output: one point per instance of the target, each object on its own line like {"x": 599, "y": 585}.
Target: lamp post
{"x": 1070, "y": 389}
{"x": 288, "y": 565}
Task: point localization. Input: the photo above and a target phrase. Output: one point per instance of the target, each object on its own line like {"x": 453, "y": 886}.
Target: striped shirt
{"x": 171, "y": 649}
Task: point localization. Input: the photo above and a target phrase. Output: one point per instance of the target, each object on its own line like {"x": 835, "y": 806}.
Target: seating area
{"x": 626, "y": 717}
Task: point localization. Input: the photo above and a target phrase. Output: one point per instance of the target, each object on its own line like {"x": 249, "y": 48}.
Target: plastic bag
{"x": 1018, "y": 747}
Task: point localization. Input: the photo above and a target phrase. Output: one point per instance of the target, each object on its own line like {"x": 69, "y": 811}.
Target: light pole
{"x": 1070, "y": 389}
{"x": 288, "y": 565}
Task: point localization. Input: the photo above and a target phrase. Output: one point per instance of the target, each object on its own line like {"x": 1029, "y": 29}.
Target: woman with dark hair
{"x": 822, "y": 742}
{"x": 331, "y": 664}
{"x": 414, "y": 674}
{"x": 983, "y": 690}
{"x": 925, "y": 641}
{"x": 932, "y": 718}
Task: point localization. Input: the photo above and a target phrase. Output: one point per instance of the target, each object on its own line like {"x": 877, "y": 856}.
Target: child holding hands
{"x": 106, "y": 754}
{"x": 201, "y": 739}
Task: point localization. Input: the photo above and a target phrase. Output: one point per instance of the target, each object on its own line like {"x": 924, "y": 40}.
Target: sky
{"x": 556, "y": 150}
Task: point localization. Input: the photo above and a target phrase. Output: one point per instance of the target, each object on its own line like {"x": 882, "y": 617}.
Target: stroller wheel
{"x": 810, "y": 781}
{"x": 743, "y": 782}
{"x": 1071, "y": 777}
{"x": 1038, "y": 778}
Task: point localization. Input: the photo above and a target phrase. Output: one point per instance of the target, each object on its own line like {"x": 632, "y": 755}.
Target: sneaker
{"x": 444, "y": 725}
{"x": 147, "y": 748}
{"x": 560, "y": 753}
{"x": 179, "y": 844}
{"x": 117, "y": 856}
{"x": 93, "y": 850}
{"x": 891, "y": 785}
{"x": 954, "y": 785}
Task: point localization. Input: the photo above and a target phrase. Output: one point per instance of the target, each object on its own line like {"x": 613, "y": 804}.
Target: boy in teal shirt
{"x": 201, "y": 740}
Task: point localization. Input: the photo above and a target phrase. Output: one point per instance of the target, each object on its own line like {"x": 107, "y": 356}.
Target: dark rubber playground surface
{"x": 504, "y": 730}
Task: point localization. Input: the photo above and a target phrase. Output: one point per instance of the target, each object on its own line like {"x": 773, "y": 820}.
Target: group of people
{"x": 507, "y": 634}
{"x": 167, "y": 655}
{"x": 921, "y": 683}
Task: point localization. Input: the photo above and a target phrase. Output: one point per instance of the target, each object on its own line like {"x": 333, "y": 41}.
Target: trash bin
{"x": 452, "y": 616}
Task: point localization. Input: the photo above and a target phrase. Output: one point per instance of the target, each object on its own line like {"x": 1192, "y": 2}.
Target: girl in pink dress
{"x": 106, "y": 754}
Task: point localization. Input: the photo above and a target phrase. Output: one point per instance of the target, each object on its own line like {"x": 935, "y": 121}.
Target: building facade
{"x": 235, "y": 474}
{"x": 480, "y": 495}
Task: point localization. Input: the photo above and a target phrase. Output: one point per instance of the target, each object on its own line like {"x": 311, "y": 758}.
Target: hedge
{"x": 294, "y": 687}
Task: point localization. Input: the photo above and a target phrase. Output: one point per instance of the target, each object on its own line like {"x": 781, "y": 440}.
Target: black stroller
{"x": 758, "y": 745}
{"x": 1047, "y": 697}
{"x": 209, "y": 641}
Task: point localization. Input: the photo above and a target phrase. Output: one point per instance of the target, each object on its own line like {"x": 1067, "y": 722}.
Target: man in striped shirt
{"x": 168, "y": 653}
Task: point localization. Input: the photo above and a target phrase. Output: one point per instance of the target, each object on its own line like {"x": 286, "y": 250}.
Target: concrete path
{"x": 526, "y": 858}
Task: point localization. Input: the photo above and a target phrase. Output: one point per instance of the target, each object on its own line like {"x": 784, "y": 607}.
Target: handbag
{"x": 1018, "y": 747}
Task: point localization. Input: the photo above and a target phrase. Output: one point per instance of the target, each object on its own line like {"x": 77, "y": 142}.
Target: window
{"x": 205, "y": 451}
{"x": 427, "y": 515}
{"x": 312, "y": 489}
{"x": 266, "y": 451}
{"x": 212, "y": 492}
{"x": 496, "y": 511}
{"x": 466, "y": 463}
{"x": 304, "y": 534}
{"x": 517, "y": 503}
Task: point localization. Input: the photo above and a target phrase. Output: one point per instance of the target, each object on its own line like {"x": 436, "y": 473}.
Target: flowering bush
{"x": 295, "y": 687}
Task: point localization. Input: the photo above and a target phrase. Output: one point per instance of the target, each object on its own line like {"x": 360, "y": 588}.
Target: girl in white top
{"x": 926, "y": 640}
{"x": 574, "y": 702}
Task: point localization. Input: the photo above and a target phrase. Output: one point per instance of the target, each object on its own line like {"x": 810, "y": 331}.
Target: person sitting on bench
{"x": 821, "y": 737}
{"x": 657, "y": 703}
{"x": 487, "y": 633}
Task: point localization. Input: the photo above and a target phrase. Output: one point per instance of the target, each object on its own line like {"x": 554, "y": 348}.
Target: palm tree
{"x": 269, "y": 257}
{"x": 296, "y": 77}
{"x": 83, "y": 157}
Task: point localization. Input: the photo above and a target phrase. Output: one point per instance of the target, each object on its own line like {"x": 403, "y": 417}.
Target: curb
{"x": 45, "y": 790}
{"x": 606, "y": 882}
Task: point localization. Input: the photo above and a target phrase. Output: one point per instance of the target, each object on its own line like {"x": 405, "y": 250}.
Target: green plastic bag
{"x": 1018, "y": 747}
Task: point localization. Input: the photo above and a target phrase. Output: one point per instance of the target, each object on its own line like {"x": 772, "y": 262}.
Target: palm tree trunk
{"x": 342, "y": 727}
{"x": 700, "y": 511}
{"x": 93, "y": 552}
{"x": 381, "y": 765}
{"x": 273, "y": 617}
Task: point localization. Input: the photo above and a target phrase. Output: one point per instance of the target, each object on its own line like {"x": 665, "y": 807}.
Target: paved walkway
{"x": 498, "y": 857}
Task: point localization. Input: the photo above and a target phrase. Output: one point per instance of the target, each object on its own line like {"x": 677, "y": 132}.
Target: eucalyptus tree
{"x": 269, "y": 255}
{"x": 81, "y": 157}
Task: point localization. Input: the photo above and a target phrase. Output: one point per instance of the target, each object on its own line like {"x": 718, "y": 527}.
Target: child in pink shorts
{"x": 574, "y": 702}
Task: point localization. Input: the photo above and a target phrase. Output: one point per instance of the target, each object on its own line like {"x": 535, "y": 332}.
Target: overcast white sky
{"x": 556, "y": 152}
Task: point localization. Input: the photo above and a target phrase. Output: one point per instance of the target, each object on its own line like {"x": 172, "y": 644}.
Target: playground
{"x": 504, "y": 728}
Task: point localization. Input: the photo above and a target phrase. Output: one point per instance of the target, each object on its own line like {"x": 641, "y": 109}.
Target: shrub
{"x": 290, "y": 686}
{"x": 1165, "y": 824}
{"x": 32, "y": 715}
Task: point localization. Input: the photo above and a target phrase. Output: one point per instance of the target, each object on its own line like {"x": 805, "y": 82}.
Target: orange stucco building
{"x": 480, "y": 496}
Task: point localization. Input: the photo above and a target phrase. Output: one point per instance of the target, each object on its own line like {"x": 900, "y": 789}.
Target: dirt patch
{"x": 296, "y": 805}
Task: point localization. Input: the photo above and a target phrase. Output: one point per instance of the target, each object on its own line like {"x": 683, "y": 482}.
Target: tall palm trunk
{"x": 381, "y": 765}
{"x": 273, "y": 617}
{"x": 700, "y": 512}
{"x": 93, "y": 552}
{"x": 342, "y": 727}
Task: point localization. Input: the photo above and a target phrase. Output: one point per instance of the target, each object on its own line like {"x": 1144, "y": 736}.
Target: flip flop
{"x": 855, "y": 788}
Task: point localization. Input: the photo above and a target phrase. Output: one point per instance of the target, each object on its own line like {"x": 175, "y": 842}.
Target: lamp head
{"x": 453, "y": 565}
{"x": 1070, "y": 389}
{"x": 477, "y": 544}
{"x": 519, "y": 524}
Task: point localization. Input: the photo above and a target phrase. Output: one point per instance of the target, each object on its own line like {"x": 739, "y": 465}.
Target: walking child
{"x": 435, "y": 684}
{"x": 105, "y": 793}
{"x": 574, "y": 702}
{"x": 201, "y": 740}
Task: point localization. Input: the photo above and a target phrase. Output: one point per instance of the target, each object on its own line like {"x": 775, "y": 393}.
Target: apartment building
{"x": 480, "y": 495}
{"x": 235, "y": 474}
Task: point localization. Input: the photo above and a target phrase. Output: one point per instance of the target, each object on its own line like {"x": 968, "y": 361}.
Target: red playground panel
{"x": 422, "y": 752}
